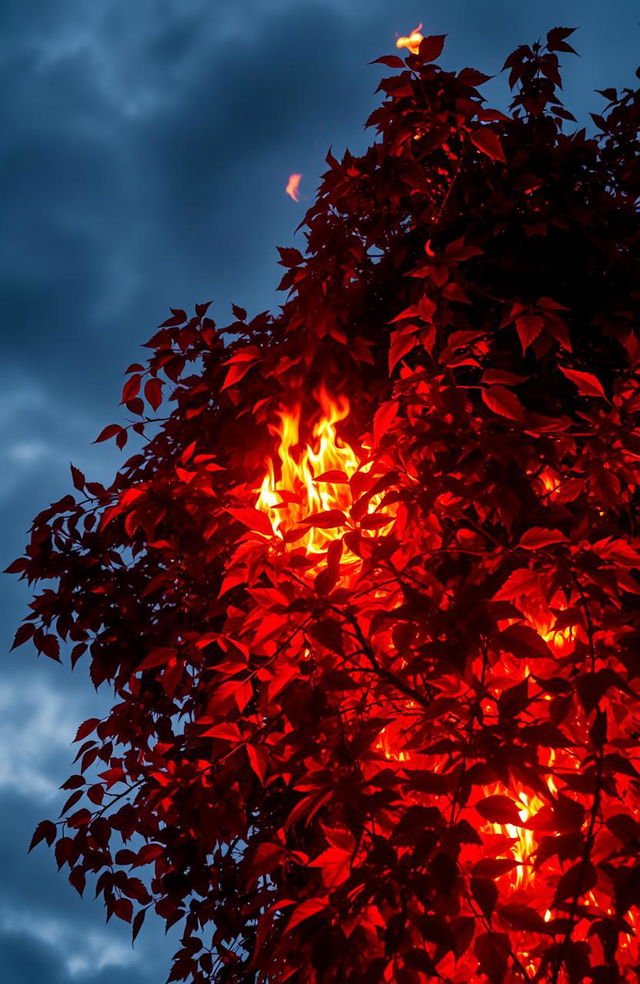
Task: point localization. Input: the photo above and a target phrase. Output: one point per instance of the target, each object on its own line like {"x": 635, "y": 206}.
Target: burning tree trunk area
{"x": 368, "y": 595}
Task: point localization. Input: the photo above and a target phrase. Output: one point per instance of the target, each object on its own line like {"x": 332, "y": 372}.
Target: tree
{"x": 367, "y": 596}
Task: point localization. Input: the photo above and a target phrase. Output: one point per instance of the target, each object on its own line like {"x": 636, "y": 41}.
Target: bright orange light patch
{"x": 304, "y": 489}
{"x": 293, "y": 187}
{"x": 412, "y": 42}
{"x": 311, "y": 493}
{"x": 309, "y": 502}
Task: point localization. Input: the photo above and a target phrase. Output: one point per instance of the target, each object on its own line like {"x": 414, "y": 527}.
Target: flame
{"x": 313, "y": 479}
{"x": 524, "y": 840}
{"x": 549, "y": 480}
{"x": 412, "y": 42}
{"x": 542, "y": 619}
{"x": 293, "y": 187}
{"x": 301, "y": 491}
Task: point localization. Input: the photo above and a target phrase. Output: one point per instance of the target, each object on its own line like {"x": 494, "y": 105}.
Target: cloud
{"x": 39, "y": 434}
{"x": 37, "y": 727}
{"x": 48, "y": 934}
{"x": 76, "y": 951}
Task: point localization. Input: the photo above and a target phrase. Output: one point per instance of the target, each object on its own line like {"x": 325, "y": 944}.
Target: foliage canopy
{"x": 411, "y": 755}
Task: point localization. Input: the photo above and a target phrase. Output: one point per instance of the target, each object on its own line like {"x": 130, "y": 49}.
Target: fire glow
{"x": 307, "y": 495}
{"x": 309, "y": 503}
{"x": 412, "y": 41}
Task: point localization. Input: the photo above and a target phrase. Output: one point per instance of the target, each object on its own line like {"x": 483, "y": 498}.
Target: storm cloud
{"x": 144, "y": 151}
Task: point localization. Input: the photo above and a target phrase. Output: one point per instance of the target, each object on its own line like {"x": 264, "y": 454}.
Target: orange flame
{"x": 293, "y": 187}
{"x": 412, "y": 42}
{"x": 314, "y": 481}
{"x": 524, "y": 842}
{"x": 301, "y": 491}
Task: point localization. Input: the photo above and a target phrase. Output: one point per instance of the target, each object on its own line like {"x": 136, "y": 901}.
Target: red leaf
{"x": 289, "y": 256}
{"x": 587, "y": 383}
{"x": 257, "y": 521}
{"x": 157, "y": 658}
{"x": 504, "y": 402}
{"x": 528, "y": 327}
{"x": 402, "y": 341}
{"x": 458, "y": 251}
{"x": 328, "y": 519}
{"x": 109, "y": 431}
{"x": 258, "y": 760}
{"x": 235, "y": 373}
{"x": 335, "y": 864}
{"x": 247, "y": 353}
{"x": 431, "y": 47}
{"x": 391, "y": 61}
{"x": 131, "y": 388}
{"x": 50, "y": 647}
{"x": 334, "y": 477}
{"x": 242, "y": 693}
{"x": 137, "y": 924}
{"x": 123, "y": 909}
{"x": 489, "y": 143}
{"x": 617, "y": 551}
{"x": 304, "y": 911}
{"x": 266, "y": 859}
{"x": 520, "y": 582}
{"x": 577, "y": 881}
{"x": 493, "y": 867}
{"x": 78, "y": 478}
{"x": 485, "y": 892}
{"x": 382, "y": 420}
{"x": 46, "y": 830}
{"x": 24, "y": 633}
{"x": 523, "y": 917}
{"x": 492, "y": 950}
{"x": 501, "y": 377}
{"x": 86, "y": 728}
{"x": 550, "y": 305}
{"x": 153, "y": 392}
{"x": 499, "y": 809}
{"x": 537, "y": 537}
{"x": 179, "y": 318}
{"x": 225, "y": 732}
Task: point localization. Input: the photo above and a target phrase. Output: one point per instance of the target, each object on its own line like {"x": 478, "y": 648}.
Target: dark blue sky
{"x": 144, "y": 149}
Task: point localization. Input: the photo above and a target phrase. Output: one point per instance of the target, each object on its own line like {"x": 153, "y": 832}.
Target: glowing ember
{"x": 293, "y": 187}
{"x": 412, "y": 42}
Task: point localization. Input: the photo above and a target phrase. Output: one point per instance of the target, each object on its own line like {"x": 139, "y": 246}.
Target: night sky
{"x": 145, "y": 146}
